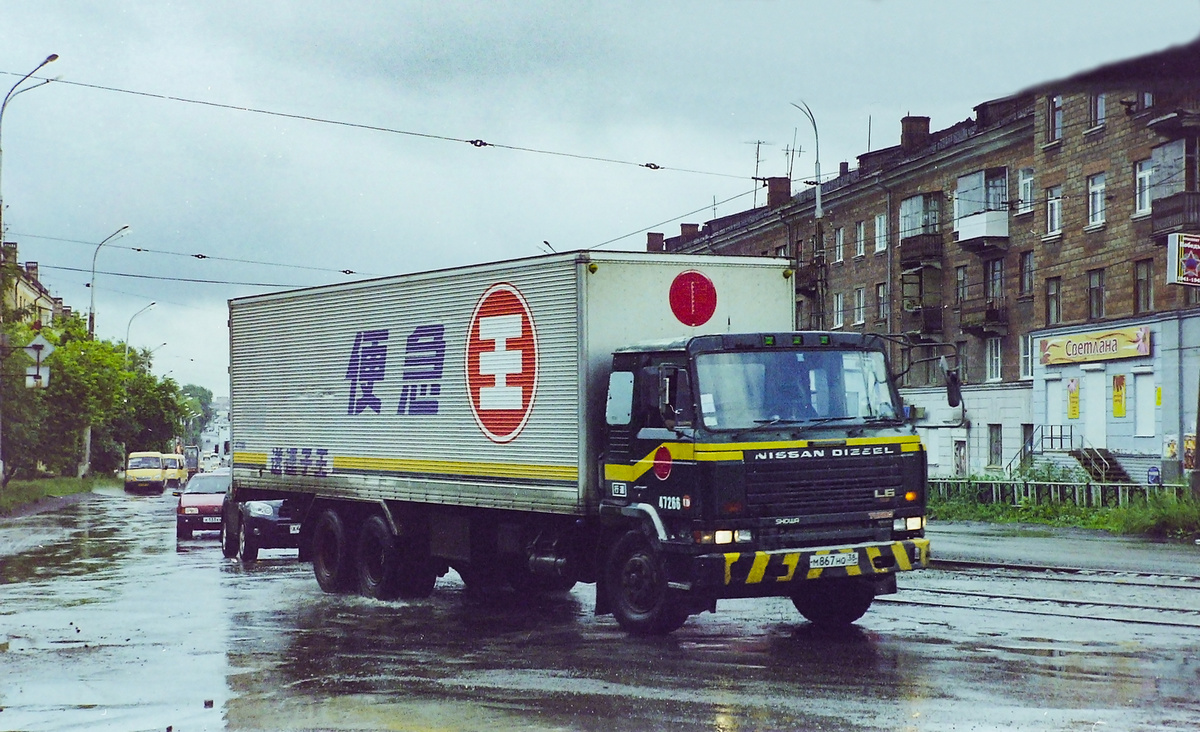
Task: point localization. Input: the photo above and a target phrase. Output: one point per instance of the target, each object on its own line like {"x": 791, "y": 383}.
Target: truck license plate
{"x": 841, "y": 559}
{"x": 212, "y": 519}
{"x": 294, "y": 529}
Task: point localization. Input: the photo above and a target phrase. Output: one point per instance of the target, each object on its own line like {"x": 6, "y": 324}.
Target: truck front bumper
{"x": 735, "y": 574}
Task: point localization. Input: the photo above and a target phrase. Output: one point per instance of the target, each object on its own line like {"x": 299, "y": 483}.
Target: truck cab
{"x": 761, "y": 462}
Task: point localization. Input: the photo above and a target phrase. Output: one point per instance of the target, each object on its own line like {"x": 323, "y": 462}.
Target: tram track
{"x": 1139, "y": 598}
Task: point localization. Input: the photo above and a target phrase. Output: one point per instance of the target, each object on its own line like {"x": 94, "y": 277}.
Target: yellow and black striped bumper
{"x": 738, "y": 569}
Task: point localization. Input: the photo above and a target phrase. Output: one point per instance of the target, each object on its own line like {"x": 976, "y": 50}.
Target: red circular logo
{"x": 662, "y": 463}
{"x": 693, "y": 298}
{"x": 502, "y": 362}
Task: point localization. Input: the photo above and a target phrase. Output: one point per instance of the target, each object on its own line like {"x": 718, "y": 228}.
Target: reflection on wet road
{"x": 106, "y": 622}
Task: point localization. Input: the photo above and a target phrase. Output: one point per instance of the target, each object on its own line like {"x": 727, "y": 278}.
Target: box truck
{"x": 650, "y": 423}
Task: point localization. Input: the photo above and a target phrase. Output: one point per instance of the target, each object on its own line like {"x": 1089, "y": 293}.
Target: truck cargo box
{"x": 476, "y": 386}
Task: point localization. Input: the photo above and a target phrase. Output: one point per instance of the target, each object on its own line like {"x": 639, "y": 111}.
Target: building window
{"x": 1027, "y": 273}
{"x": 1143, "y": 286}
{"x": 1053, "y": 301}
{"x": 860, "y": 238}
{"x": 1026, "y": 356}
{"x": 1054, "y": 210}
{"x": 1142, "y": 171}
{"x": 1173, "y": 166}
{"x": 1095, "y": 294}
{"x": 881, "y": 233}
{"x": 881, "y": 300}
{"x": 1145, "y": 100}
{"x": 839, "y": 243}
{"x": 920, "y": 215}
{"x": 960, "y": 284}
{"x": 963, "y": 361}
{"x": 1096, "y": 111}
{"x": 983, "y": 190}
{"x": 1025, "y": 185}
{"x": 993, "y": 283}
{"x": 995, "y": 445}
{"x": 1096, "y": 207}
{"x": 781, "y": 251}
{"x": 1193, "y": 296}
{"x": 993, "y": 359}
{"x": 839, "y": 310}
{"x": 1054, "y": 118}
{"x": 860, "y": 305}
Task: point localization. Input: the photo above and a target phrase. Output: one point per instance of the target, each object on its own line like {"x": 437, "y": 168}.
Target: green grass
{"x": 21, "y": 493}
{"x": 1160, "y": 516}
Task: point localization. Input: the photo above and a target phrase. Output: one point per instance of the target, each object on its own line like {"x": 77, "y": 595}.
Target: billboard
{"x": 1183, "y": 259}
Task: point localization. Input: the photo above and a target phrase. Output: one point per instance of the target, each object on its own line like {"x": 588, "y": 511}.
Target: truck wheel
{"x": 229, "y": 532}
{"x": 377, "y": 562}
{"x": 333, "y": 556}
{"x": 833, "y": 603}
{"x": 247, "y": 544}
{"x": 637, "y": 586}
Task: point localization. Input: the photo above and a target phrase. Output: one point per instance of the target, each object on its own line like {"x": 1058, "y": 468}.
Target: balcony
{"x": 1178, "y": 213}
{"x": 921, "y": 249}
{"x": 921, "y": 316}
{"x": 984, "y": 233}
{"x": 984, "y": 316}
{"x": 808, "y": 277}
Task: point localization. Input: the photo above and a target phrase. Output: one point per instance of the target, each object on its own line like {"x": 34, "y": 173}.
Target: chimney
{"x": 687, "y": 232}
{"x": 779, "y": 191}
{"x": 31, "y": 269}
{"x": 654, "y": 241}
{"x": 9, "y": 252}
{"x": 843, "y": 168}
{"x": 914, "y": 133}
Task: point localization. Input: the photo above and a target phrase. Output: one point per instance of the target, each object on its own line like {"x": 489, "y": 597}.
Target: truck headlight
{"x": 259, "y": 509}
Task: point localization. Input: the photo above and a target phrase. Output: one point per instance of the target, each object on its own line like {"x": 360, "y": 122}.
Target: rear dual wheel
{"x": 388, "y": 567}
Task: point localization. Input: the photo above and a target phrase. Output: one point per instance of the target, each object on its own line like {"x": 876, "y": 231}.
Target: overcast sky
{"x": 343, "y": 164}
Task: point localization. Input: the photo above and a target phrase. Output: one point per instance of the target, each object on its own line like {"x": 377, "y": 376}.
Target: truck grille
{"x": 781, "y": 488}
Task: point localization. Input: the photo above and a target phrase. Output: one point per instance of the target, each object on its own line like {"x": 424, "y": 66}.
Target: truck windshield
{"x": 751, "y": 389}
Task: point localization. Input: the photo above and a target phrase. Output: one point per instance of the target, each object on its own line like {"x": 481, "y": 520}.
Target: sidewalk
{"x": 1037, "y": 545}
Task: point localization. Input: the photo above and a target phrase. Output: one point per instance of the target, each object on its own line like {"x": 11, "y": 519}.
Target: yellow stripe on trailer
{"x": 384, "y": 466}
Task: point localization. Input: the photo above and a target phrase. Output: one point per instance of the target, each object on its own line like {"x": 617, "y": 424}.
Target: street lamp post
{"x": 3, "y": 106}
{"x": 125, "y": 360}
{"x": 92, "y": 284}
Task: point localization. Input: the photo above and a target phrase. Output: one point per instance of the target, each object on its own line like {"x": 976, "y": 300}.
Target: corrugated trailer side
{"x": 360, "y": 390}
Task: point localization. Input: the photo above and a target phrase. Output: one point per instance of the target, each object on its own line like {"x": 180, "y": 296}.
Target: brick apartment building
{"x": 1034, "y": 237}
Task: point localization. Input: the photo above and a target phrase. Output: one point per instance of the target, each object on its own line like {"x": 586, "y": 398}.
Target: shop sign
{"x": 1183, "y": 259}
{"x": 1101, "y": 345}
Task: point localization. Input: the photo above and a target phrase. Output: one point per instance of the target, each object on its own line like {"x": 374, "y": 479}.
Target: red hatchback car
{"x": 200, "y": 503}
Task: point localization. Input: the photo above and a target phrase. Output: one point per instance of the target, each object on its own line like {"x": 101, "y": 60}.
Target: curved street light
{"x": 92, "y": 284}
{"x": 3, "y": 106}
{"x": 127, "y": 327}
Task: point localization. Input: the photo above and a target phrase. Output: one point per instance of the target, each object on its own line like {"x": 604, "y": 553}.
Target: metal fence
{"x": 1024, "y": 492}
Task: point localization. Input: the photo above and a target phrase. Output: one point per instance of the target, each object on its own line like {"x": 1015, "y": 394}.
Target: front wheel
{"x": 247, "y": 543}
{"x": 636, "y": 582}
{"x": 833, "y": 603}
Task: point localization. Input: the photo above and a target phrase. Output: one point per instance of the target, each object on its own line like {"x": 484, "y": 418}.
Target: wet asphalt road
{"x": 107, "y": 622}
